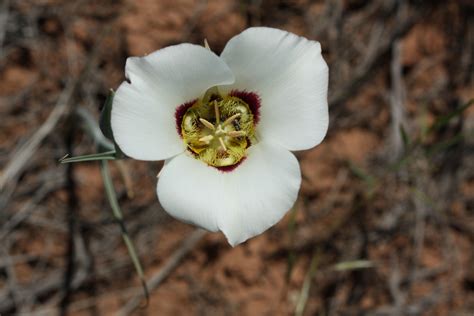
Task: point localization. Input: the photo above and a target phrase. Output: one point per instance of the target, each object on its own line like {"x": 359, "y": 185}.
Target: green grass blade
{"x": 444, "y": 145}
{"x": 444, "y": 120}
{"x": 353, "y": 265}
{"x": 117, "y": 212}
{"x": 291, "y": 259}
{"x": 368, "y": 179}
{"x": 304, "y": 294}
{"x": 405, "y": 137}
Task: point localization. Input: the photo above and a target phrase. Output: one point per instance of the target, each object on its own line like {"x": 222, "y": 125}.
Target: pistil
{"x": 218, "y": 131}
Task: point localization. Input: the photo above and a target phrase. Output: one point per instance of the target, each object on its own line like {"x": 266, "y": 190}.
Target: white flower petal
{"x": 143, "y": 112}
{"x": 241, "y": 203}
{"x": 291, "y": 77}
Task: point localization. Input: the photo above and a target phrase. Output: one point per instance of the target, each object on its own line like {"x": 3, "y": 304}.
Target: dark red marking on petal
{"x": 230, "y": 168}
{"x": 252, "y": 99}
{"x": 249, "y": 142}
{"x": 179, "y": 114}
{"x": 195, "y": 155}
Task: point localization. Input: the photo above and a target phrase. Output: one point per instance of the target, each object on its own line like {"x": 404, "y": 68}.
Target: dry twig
{"x": 174, "y": 260}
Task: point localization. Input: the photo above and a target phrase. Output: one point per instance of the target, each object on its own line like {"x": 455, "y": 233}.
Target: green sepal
{"x": 105, "y": 123}
{"x": 107, "y": 155}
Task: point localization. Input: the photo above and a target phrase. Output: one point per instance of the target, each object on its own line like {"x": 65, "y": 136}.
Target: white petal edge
{"x": 143, "y": 111}
{"x": 241, "y": 203}
{"x": 290, "y": 75}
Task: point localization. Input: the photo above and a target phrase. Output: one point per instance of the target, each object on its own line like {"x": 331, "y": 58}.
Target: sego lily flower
{"x": 225, "y": 126}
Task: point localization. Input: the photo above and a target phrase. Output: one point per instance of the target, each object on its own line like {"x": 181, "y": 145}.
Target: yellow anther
{"x": 218, "y": 129}
{"x": 207, "y": 123}
{"x": 206, "y": 139}
{"x": 236, "y": 133}
{"x": 221, "y": 141}
{"x": 230, "y": 119}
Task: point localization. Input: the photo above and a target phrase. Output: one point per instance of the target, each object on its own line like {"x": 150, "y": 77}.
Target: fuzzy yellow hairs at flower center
{"x": 218, "y": 129}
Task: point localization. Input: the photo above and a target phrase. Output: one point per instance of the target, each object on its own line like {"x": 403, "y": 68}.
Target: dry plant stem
{"x": 127, "y": 179}
{"x": 187, "y": 245}
{"x": 304, "y": 294}
{"x": 394, "y": 285}
{"x": 331, "y": 199}
{"x": 419, "y": 229}
{"x": 415, "y": 309}
{"x": 397, "y": 104}
{"x": 43, "y": 289}
{"x": 27, "y": 208}
{"x": 329, "y": 18}
{"x": 72, "y": 205}
{"x": 4, "y": 11}
{"x": 53, "y": 282}
{"x": 379, "y": 46}
{"x": 338, "y": 28}
{"x": 25, "y": 152}
{"x": 200, "y": 7}
{"x": 18, "y": 259}
{"x": 11, "y": 275}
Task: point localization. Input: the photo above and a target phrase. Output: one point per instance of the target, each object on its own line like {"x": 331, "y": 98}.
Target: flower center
{"x": 218, "y": 129}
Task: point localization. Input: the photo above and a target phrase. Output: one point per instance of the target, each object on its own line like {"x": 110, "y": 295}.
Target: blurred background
{"x": 384, "y": 223}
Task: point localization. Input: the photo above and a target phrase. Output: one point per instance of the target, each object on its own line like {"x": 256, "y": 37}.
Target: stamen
{"x": 218, "y": 130}
{"x": 207, "y": 123}
{"x": 221, "y": 141}
{"x": 231, "y": 119}
{"x": 206, "y": 139}
{"x": 236, "y": 133}
{"x": 216, "y": 110}
{"x": 206, "y": 44}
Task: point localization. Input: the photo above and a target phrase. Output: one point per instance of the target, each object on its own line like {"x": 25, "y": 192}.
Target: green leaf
{"x": 444, "y": 120}
{"x": 304, "y": 293}
{"x": 105, "y": 123}
{"x": 369, "y": 180}
{"x": 353, "y": 265}
{"x": 108, "y": 155}
{"x": 444, "y": 145}
{"x": 109, "y": 150}
{"x": 405, "y": 137}
{"x": 117, "y": 212}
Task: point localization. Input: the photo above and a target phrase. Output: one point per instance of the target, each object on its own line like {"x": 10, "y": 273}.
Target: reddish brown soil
{"x": 407, "y": 210}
